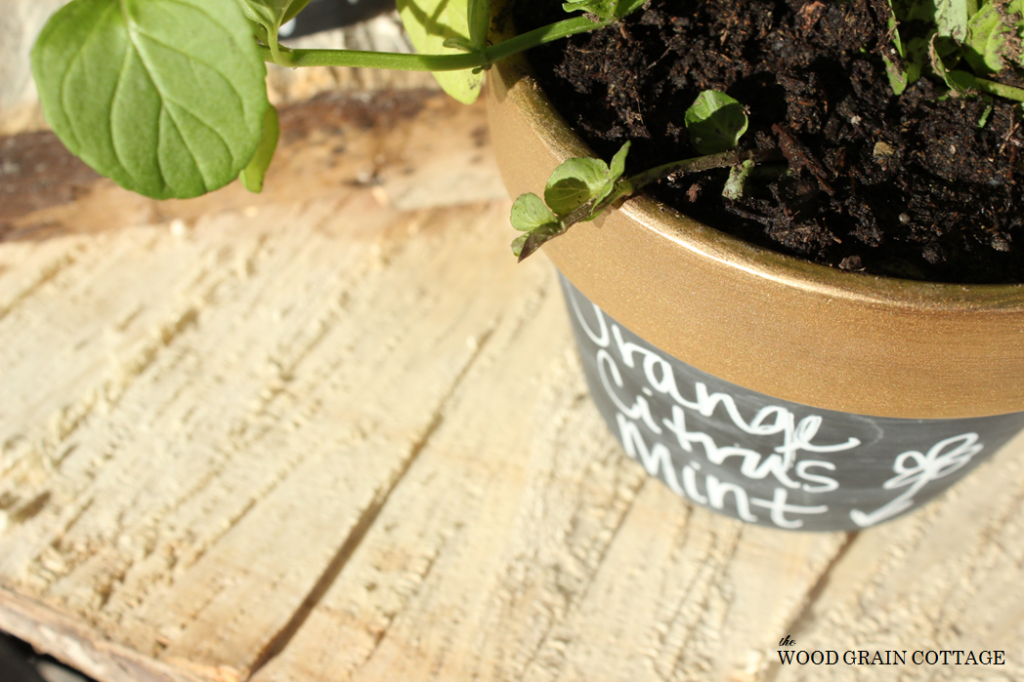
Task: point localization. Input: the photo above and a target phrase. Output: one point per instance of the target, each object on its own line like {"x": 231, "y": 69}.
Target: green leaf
{"x": 430, "y": 23}
{"x": 898, "y": 80}
{"x": 517, "y": 245}
{"x": 529, "y": 213}
{"x": 959, "y": 82}
{"x": 993, "y": 40}
{"x": 715, "y": 122}
{"x": 615, "y": 170}
{"x": 459, "y": 43}
{"x": 618, "y": 164}
{"x": 951, "y": 17}
{"x": 895, "y": 67}
{"x": 915, "y": 57}
{"x": 605, "y": 10}
{"x": 166, "y": 97}
{"x": 624, "y": 7}
{"x": 914, "y": 10}
{"x": 264, "y": 12}
{"x": 479, "y": 18}
{"x": 963, "y": 82}
{"x": 574, "y": 183}
{"x": 1000, "y": 89}
{"x": 272, "y": 12}
{"x": 253, "y": 174}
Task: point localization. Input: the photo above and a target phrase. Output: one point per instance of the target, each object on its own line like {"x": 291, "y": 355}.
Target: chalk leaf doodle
{"x": 916, "y": 470}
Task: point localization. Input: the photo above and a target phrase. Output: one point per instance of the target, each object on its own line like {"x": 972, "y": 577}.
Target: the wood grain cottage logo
{"x": 898, "y": 657}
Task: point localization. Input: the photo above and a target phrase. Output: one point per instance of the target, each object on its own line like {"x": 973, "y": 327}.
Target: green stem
{"x": 702, "y": 163}
{"x": 540, "y": 36}
{"x": 627, "y": 186}
{"x": 398, "y": 61}
{"x": 395, "y": 61}
{"x": 1000, "y": 90}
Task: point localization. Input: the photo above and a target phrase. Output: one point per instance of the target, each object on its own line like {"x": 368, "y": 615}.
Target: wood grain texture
{"x": 533, "y": 549}
{"x": 78, "y": 645}
{"x": 333, "y": 432}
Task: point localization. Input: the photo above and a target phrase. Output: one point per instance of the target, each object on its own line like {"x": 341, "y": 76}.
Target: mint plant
{"x": 974, "y": 49}
{"x": 972, "y": 46}
{"x": 581, "y": 188}
{"x": 168, "y": 97}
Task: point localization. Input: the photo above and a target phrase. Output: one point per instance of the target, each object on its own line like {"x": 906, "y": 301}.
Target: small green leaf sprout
{"x": 715, "y": 122}
{"x": 580, "y": 189}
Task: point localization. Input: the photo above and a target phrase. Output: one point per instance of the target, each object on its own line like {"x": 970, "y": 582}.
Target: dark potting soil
{"x": 903, "y": 186}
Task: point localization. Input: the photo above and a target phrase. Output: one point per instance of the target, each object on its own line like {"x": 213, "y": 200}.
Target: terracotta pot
{"x": 809, "y": 397}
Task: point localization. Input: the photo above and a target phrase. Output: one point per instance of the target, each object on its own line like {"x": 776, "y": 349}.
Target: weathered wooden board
{"x": 333, "y": 432}
{"x": 167, "y": 386}
{"x": 524, "y": 545}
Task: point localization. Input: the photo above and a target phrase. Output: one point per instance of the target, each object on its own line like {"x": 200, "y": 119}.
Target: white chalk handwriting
{"x": 781, "y": 466}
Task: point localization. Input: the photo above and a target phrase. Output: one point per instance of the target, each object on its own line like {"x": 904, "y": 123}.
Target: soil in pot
{"x": 916, "y": 186}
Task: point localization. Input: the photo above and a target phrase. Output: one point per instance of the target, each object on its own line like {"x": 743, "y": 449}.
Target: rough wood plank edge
{"x": 74, "y": 643}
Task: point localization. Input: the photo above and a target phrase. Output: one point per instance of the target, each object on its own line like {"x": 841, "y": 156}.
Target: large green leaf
{"x": 166, "y": 97}
{"x": 430, "y": 23}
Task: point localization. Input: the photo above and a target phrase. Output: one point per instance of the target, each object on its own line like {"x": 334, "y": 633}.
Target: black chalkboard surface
{"x": 763, "y": 460}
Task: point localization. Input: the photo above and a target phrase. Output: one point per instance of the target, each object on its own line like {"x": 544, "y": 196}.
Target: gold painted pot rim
{"x": 771, "y": 323}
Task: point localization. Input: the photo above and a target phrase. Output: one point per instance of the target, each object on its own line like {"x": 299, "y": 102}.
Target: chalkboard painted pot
{"x": 772, "y": 390}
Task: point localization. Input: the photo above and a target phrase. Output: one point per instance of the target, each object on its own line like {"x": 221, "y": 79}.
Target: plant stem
{"x": 628, "y": 186}
{"x": 625, "y": 187}
{"x": 702, "y": 163}
{"x": 540, "y": 36}
{"x": 398, "y": 61}
{"x": 395, "y": 61}
{"x": 1000, "y": 90}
